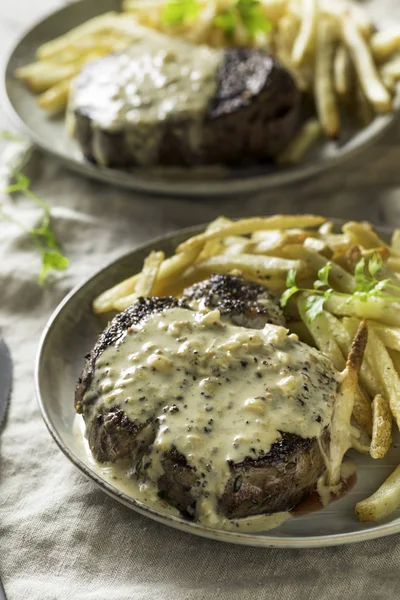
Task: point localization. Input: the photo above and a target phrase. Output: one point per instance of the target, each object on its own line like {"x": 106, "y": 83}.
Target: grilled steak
{"x": 243, "y": 302}
{"x": 168, "y": 102}
{"x": 192, "y": 400}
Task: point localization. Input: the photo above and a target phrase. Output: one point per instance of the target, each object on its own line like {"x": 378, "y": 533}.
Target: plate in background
{"x": 72, "y": 332}
{"x": 50, "y": 133}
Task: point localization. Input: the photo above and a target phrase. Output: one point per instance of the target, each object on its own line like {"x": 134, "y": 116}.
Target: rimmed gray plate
{"x": 50, "y": 134}
{"x": 72, "y": 332}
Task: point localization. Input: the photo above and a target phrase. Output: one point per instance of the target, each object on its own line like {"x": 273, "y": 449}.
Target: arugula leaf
{"x": 287, "y": 294}
{"x": 252, "y": 17}
{"x": 52, "y": 261}
{"x": 43, "y": 236}
{"x": 176, "y": 12}
{"x": 227, "y": 20}
{"x": 314, "y": 307}
{"x": 291, "y": 278}
{"x": 323, "y": 276}
{"x": 375, "y": 264}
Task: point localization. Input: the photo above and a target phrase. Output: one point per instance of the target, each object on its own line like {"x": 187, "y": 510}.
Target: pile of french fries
{"x": 330, "y": 47}
{"x": 362, "y": 338}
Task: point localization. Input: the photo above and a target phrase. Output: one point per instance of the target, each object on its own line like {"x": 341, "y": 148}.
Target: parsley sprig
{"x": 367, "y": 286}
{"x": 176, "y": 12}
{"x": 246, "y": 12}
{"x": 43, "y": 235}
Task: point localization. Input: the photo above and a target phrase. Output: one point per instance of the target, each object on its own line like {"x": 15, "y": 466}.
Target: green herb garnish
{"x": 176, "y": 12}
{"x": 43, "y": 236}
{"x": 367, "y": 286}
{"x": 247, "y": 12}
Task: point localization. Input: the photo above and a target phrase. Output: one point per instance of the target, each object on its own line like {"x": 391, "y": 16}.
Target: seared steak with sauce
{"x": 245, "y": 109}
{"x": 272, "y": 482}
{"x": 243, "y": 302}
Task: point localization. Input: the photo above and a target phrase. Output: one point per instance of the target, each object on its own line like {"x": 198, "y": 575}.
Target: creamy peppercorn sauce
{"x": 157, "y": 80}
{"x": 219, "y": 393}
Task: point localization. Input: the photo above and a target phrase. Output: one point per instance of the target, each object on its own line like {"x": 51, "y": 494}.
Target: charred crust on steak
{"x": 244, "y": 302}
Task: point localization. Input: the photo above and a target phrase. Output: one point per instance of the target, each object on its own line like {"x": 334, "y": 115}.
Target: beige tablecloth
{"x": 61, "y": 537}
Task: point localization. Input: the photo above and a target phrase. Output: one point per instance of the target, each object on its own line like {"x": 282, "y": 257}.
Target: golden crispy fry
{"x": 55, "y": 99}
{"x": 93, "y": 26}
{"x": 145, "y": 282}
{"x": 341, "y": 433}
{"x": 395, "y": 241}
{"x": 387, "y": 373}
{"x": 367, "y": 73}
{"x": 324, "y": 91}
{"x": 364, "y": 111}
{"x": 373, "y": 308}
{"x": 105, "y": 302}
{"x": 342, "y": 72}
{"x": 389, "y": 335}
{"x": 344, "y": 337}
{"x": 305, "y": 40}
{"x": 383, "y": 502}
{"x": 260, "y": 267}
{"x": 362, "y": 234}
{"x": 320, "y": 331}
{"x": 326, "y": 336}
{"x": 382, "y": 427}
{"x": 309, "y": 133}
{"x": 338, "y": 277}
{"x": 384, "y": 43}
{"x": 246, "y": 226}
{"x": 148, "y": 276}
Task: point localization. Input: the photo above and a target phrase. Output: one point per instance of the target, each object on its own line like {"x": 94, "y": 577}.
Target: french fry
{"x": 55, "y": 99}
{"x": 341, "y": 435}
{"x": 309, "y": 133}
{"x": 96, "y": 25}
{"x": 306, "y": 37}
{"x": 324, "y": 91}
{"x": 339, "y": 278}
{"x": 367, "y": 72}
{"x": 389, "y": 335}
{"x": 387, "y": 373}
{"x": 246, "y": 226}
{"x": 383, "y": 502}
{"x": 344, "y": 337}
{"x": 373, "y": 308}
{"x": 362, "y": 234}
{"x": 148, "y": 276}
{"x": 382, "y": 427}
{"x": 364, "y": 111}
{"x": 342, "y": 72}
{"x": 260, "y": 267}
{"x": 385, "y": 43}
{"x": 326, "y": 340}
{"x": 395, "y": 241}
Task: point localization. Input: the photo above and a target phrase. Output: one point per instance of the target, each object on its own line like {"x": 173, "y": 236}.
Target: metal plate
{"x": 72, "y": 332}
{"x": 50, "y": 134}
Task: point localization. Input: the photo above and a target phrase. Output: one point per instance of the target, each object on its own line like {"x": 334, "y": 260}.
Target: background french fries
{"x": 264, "y": 249}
